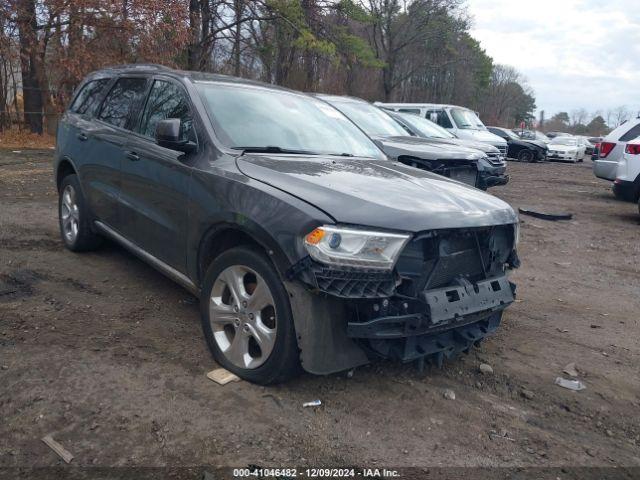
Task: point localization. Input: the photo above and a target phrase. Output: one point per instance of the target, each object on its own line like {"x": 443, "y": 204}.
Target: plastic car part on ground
{"x": 575, "y": 385}
{"x": 546, "y": 215}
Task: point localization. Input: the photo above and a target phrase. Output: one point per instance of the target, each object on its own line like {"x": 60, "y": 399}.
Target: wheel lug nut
{"x": 236, "y": 309}
{"x": 244, "y": 304}
{"x": 251, "y": 316}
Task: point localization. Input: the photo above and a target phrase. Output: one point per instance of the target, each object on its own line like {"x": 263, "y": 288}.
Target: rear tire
{"x": 74, "y": 217}
{"x": 247, "y": 319}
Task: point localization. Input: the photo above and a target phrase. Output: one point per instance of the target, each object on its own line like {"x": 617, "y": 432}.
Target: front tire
{"x": 74, "y": 217}
{"x": 526, "y": 156}
{"x": 246, "y": 317}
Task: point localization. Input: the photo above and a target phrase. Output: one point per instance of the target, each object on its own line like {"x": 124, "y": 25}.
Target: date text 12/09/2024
{"x": 315, "y": 472}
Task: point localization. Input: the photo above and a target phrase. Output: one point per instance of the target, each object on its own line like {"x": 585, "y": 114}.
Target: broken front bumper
{"x": 487, "y": 180}
{"x": 446, "y": 293}
{"x": 451, "y": 320}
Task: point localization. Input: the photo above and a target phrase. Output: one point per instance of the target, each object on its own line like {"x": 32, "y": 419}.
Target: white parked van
{"x": 461, "y": 121}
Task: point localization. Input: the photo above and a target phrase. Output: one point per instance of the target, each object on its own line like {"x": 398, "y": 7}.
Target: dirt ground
{"x": 107, "y": 355}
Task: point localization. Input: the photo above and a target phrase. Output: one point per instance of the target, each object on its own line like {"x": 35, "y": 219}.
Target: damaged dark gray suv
{"x": 306, "y": 245}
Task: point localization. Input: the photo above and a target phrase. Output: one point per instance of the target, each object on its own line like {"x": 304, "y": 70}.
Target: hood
{"x": 425, "y": 149}
{"x": 481, "y": 136}
{"x": 536, "y": 143}
{"x": 378, "y": 193}
{"x": 461, "y": 142}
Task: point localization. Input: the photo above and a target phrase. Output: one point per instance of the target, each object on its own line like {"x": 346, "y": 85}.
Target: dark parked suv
{"x": 305, "y": 244}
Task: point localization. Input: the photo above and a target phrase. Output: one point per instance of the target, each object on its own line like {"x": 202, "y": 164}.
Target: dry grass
{"x": 17, "y": 139}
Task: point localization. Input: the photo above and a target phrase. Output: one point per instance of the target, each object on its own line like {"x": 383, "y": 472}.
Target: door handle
{"x": 82, "y": 137}
{"x": 133, "y": 156}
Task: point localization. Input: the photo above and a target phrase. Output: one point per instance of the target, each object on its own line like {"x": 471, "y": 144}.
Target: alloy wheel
{"x": 242, "y": 314}
{"x": 70, "y": 214}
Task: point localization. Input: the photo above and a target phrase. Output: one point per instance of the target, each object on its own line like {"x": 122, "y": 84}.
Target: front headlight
{"x": 349, "y": 247}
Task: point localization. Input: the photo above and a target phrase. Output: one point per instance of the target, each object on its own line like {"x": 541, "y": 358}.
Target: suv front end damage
{"x": 445, "y": 294}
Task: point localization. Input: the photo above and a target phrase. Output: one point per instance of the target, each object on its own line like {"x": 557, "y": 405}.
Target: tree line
{"x": 388, "y": 50}
{"x": 581, "y": 122}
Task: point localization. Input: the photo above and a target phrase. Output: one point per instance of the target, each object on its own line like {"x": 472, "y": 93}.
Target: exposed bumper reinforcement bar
{"x": 450, "y": 303}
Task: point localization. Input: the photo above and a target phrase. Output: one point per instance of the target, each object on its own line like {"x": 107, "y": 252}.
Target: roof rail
{"x": 138, "y": 66}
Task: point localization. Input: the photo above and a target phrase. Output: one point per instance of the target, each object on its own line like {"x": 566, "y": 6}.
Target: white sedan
{"x": 568, "y": 149}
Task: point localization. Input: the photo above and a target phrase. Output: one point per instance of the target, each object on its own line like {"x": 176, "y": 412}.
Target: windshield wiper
{"x": 274, "y": 149}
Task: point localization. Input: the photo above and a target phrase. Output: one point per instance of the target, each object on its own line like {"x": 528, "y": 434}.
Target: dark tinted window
{"x": 498, "y": 132}
{"x": 410, "y": 110}
{"x": 166, "y": 100}
{"x": 89, "y": 97}
{"x": 441, "y": 118}
{"x": 631, "y": 134}
{"x": 122, "y": 100}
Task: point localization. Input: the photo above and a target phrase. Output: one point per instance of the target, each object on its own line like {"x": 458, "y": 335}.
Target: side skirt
{"x": 159, "y": 265}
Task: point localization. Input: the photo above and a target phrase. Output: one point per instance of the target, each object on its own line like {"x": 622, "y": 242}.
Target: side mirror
{"x": 168, "y": 136}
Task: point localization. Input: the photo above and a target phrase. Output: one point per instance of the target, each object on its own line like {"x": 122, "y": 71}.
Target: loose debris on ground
{"x": 222, "y": 376}
{"x": 59, "y": 449}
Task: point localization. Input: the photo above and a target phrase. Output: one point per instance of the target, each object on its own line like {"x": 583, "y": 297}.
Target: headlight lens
{"x": 355, "y": 248}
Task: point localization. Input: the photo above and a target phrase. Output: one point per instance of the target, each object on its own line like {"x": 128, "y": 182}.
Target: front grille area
{"x": 465, "y": 175}
{"x": 465, "y": 171}
{"x": 503, "y": 149}
{"x": 445, "y": 255}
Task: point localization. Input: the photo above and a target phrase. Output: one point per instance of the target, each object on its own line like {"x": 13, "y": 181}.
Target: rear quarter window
{"x": 631, "y": 134}
{"x": 88, "y": 100}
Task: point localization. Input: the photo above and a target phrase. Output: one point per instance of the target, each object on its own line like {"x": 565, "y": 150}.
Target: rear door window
{"x": 89, "y": 97}
{"x": 122, "y": 101}
{"x": 166, "y": 100}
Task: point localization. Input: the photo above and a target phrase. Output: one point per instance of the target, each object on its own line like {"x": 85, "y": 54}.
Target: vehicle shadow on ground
{"x": 631, "y": 218}
{"x": 131, "y": 263}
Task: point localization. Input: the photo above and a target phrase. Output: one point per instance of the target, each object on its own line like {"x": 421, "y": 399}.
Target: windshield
{"x": 510, "y": 134}
{"x": 426, "y": 128}
{"x": 563, "y": 141}
{"x": 466, "y": 119}
{"x": 371, "y": 119}
{"x": 249, "y": 117}
{"x": 542, "y": 136}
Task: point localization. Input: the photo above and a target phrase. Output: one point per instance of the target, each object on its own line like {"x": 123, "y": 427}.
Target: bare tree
{"x": 620, "y": 115}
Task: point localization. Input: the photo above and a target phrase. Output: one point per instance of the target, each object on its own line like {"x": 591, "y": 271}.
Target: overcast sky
{"x": 574, "y": 53}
